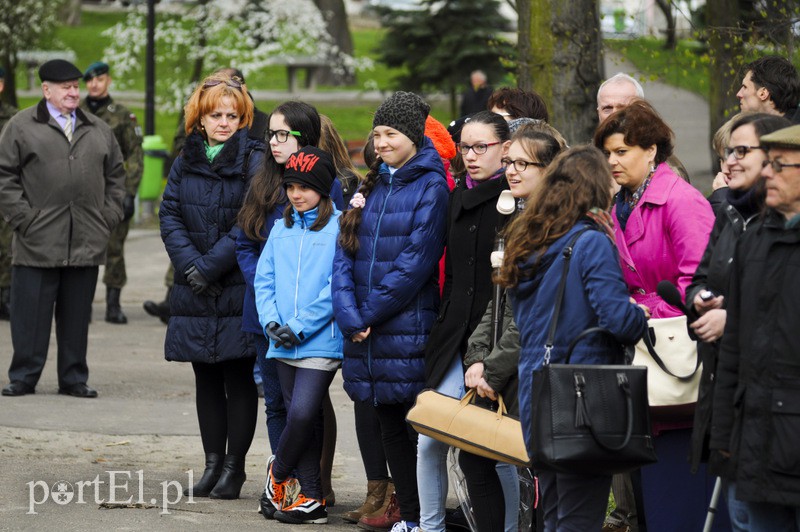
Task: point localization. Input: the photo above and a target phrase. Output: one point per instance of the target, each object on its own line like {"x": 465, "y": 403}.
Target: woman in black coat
{"x": 204, "y": 193}
{"x": 744, "y": 201}
{"x": 473, "y": 223}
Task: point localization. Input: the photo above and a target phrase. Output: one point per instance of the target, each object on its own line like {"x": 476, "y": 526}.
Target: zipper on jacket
{"x": 297, "y": 275}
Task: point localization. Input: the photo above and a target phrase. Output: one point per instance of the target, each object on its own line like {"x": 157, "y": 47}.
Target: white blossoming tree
{"x": 22, "y": 23}
{"x": 208, "y": 35}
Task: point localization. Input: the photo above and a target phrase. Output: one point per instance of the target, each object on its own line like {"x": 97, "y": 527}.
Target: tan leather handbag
{"x": 463, "y": 424}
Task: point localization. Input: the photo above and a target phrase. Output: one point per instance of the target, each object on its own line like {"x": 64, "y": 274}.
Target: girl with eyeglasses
{"x": 292, "y": 125}
{"x": 472, "y": 225}
{"x": 385, "y": 289}
{"x": 744, "y": 201}
{"x": 205, "y": 189}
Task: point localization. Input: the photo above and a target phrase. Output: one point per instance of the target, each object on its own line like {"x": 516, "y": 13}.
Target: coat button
{"x": 780, "y": 404}
{"x": 470, "y": 291}
{"x": 631, "y": 268}
{"x": 71, "y": 157}
{"x": 64, "y": 262}
{"x": 473, "y": 228}
{"x": 471, "y": 261}
{"x": 641, "y": 291}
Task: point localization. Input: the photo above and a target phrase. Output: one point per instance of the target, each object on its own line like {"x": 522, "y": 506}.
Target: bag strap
{"x": 652, "y": 350}
{"x": 562, "y": 284}
{"x": 582, "y": 418}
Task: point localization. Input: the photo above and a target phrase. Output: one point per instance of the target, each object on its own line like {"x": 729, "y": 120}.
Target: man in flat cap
{"x": 62, "y": 183}
{"x": 756, "y": 419}
{"x": 6, "y": 112}
{"x": 129, "y": 136}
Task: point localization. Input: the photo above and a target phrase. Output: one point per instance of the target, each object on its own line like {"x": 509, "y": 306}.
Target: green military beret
{"x": 98, "y": 68}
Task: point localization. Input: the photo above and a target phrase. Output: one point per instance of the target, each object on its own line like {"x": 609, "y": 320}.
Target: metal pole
{"x": 712, "y": 507}
{"x": 150, "y": 72}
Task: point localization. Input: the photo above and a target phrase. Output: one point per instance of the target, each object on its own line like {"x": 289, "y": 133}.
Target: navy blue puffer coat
{"x": 198, "y": 217}
{"x": 391, "y": 284}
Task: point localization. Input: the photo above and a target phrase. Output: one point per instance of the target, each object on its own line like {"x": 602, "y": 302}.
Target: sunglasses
{"x": 233, "y": 82}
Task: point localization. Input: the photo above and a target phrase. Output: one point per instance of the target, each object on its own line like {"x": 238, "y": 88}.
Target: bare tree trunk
{"x": 524, "y": 59}
{"x": 10, "y": 89}
{"x": 202, "y": 42}
{"x": 725, "y": 49}
{"x": 567, "y": 63}
{"x": 70, "y": 13}
{"x": 666, "y": 8}
{"x": 335, "y": 16}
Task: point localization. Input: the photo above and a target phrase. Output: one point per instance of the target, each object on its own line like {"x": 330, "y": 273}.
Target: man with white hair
{"x": 615, "y": 93}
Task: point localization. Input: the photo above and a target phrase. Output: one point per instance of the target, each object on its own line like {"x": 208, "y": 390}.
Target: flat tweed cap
{"x": 59, "y": 70}
{"x": 406, "y": 112}
{"x": 787, "y": 137}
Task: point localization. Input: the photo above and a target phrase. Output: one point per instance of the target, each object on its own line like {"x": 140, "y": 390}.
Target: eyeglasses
{"x": 739, "y": 151}
{"x": 234, "y": 82}
{"x": 281, "y": 134}
{"x": 778, "y": 166}
{"x": 479, "y": 149}
{"x": 520, "y": 165}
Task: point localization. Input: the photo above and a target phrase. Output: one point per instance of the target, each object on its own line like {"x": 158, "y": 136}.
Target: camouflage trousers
{"x": 6, "y": 235}
{"x": 115, "y": 276}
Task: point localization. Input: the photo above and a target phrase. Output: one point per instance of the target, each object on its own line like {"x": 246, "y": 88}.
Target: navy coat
{"x": 595, "y": 295}
{"x": 198, "y": 217}
{"x": 391, "y": 284}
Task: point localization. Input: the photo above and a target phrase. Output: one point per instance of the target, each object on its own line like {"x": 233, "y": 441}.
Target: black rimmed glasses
{"x": 739, "y": 151}
{"x": 520, "y": 165}
{"x": 479, "y": 149}
{"x": 233, "y": 82}
{"x": 778, "y": 166}
{"x": 282, "y": 135}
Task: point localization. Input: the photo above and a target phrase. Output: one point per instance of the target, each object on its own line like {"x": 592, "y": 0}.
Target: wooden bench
{"x": 32, "y": 59}
{"x": 294, "y": 63}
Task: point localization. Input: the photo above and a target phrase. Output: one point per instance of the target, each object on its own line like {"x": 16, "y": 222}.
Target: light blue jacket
{"x": 293, "y": 286}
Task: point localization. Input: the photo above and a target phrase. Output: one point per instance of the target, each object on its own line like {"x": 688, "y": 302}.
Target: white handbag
{"x": 673, "y": 368}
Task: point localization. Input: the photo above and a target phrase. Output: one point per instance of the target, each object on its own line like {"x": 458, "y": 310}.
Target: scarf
{"x": 213, "y": 151}
{"x": 627, "y": 200}
{"x": 604, "y": 221}
{"x": 747, "y": 202}
{"x": 471, "y": 183}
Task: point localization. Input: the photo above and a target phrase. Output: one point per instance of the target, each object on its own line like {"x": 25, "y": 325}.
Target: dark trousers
{"x": 400, "y": 446}
{"x": 485, "y": 491}
{"x": 36, "y": 294}
{"x": 368, "y": 431}
{"x": 227, "y": 405}
{"x": 573, "y": 503}
{"x": 300, "y": 447}
{"x": 273, "y": 396}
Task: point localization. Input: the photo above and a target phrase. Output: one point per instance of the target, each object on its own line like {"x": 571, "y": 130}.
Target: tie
{"x": 68, "y": 126}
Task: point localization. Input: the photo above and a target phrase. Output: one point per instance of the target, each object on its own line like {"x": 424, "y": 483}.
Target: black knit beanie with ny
{"x": 406, "y": 112}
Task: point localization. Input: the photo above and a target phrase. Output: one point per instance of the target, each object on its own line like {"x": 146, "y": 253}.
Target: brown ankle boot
{"x": 376, "y": 494}
{"x": 384, "y": 517}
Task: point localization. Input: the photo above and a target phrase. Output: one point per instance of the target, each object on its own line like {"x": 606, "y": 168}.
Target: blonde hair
{"x": 208, "y": 95}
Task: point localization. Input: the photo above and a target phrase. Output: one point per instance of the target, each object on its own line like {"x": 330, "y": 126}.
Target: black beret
{"x": 59, "y": 70}
{"x": 98, "y": 68}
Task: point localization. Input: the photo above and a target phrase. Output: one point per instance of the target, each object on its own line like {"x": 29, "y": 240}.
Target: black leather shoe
{"x": 18, "y": 388}
{"x": 78, "y": 390}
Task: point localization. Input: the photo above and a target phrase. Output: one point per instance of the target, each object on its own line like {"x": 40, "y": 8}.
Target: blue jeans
{"x": 432, "y": 481}
{"x": 509, "y": 481}
{"x": 300, "y": 447}
{"x": 273, "y": 397}
{"x": 761, "y": 516}
{"x": 738, "y": 510}
{"x": 573, "y": 503}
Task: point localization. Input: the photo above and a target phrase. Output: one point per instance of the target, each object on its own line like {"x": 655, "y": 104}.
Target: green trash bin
{"x": 155, "y": 153}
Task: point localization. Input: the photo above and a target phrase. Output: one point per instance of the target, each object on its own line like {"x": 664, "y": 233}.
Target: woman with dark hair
{"x": 661, "y": 226}
{"x": 571, "y": 201}
{"x": 204, "y": 192}
{"x": 511, "y": 103}
{"x": 744, "y": 201}
{"x": 346, "y": 173}
{"x": 472, "y": 225}
{"x": 292, "y": 125}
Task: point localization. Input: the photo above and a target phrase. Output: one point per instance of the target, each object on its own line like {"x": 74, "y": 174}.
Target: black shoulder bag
{"x": 586, "y": 418}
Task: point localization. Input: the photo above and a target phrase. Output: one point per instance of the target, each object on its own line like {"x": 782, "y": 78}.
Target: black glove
{"x": 128, "y": 207}
{"x": 270, "y": 330}
{"x": 287, "y": 337}
{"x": 196, "y": 280}
{"x": 214, "y": 290}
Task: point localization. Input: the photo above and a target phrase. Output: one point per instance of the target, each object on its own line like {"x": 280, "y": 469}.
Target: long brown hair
{"x": 350, "y": 220}
{"x": 331, "y": 142}
{"x": 577, "y": 180}
{"x": 324, "y": 214}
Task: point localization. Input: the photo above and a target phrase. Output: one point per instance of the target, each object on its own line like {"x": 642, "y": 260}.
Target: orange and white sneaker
{"x": 304, "y": 511}
{"x": 278, "y": 494}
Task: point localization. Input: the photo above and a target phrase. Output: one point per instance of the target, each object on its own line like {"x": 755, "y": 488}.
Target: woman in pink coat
{"x": 662, "y": 225}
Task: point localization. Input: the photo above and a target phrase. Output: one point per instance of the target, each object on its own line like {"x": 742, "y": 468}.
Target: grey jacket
{"x": 62, "y": 199}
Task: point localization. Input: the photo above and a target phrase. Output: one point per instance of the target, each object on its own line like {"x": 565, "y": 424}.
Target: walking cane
{"x": 712, "y": 506}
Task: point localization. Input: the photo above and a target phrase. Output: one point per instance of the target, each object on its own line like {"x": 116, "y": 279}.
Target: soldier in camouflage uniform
{"x": 129, "y": 137}
{"x": 6, "y": 233}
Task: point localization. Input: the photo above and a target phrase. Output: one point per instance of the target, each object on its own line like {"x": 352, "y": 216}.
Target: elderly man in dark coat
{"x": 61, "y": 188}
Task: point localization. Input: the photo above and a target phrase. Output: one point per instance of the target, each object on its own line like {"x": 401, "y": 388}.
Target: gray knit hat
{"x": 406, "y": 112}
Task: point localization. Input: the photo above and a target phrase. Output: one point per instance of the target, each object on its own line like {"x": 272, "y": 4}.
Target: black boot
{"x": 160, "y": 310}
{"x": 209, "y": 478}
{"x": 114, "y": 312}
{"x": 5, "y": 303}
{"x": 231, "y": 480}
